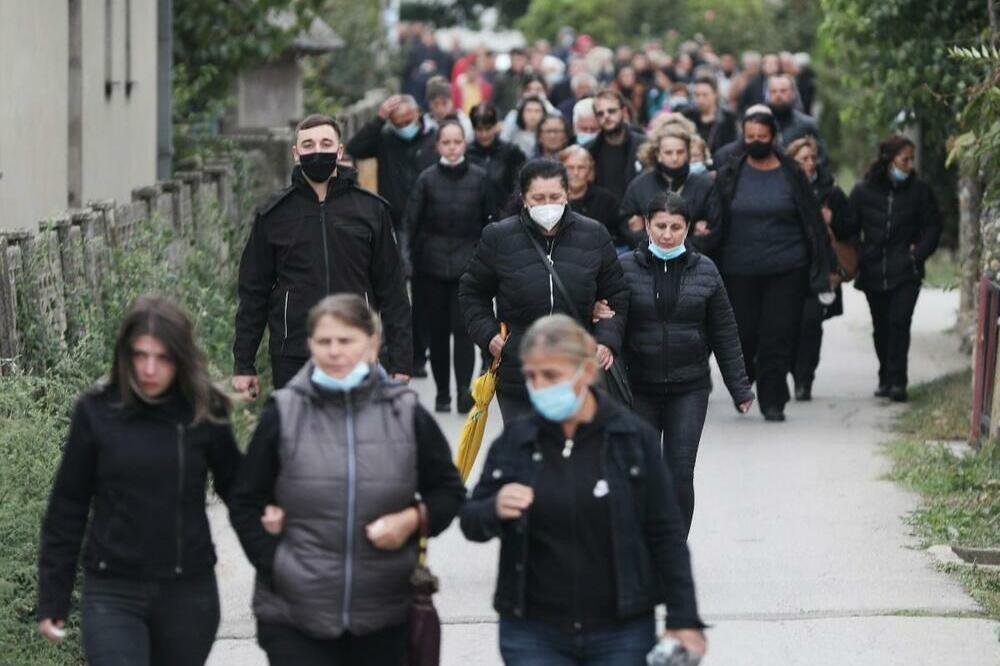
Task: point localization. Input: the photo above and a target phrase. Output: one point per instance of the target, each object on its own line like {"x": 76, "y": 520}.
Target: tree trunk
{"x": 970, "y": 244}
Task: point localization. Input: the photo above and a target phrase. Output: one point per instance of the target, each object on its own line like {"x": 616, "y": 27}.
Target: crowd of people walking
{"x": 600, "y": 223}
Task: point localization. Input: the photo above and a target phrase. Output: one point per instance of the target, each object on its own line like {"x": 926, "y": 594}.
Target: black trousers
{"x": 287, "y": 646}
{"x": 420, "y": 315}
{"x": 810, "y": 340}
{"x": 283, "y": 368}
{"x": 768, "y": 311}
{"x": 130, "y": 622}
{"x": 445, "y": 319}
{"x": 892, "y": 315}
{"x": 680, "y": 419}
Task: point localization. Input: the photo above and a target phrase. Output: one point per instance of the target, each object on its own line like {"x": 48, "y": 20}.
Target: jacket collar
{"x": 567, "y": 220}
{"x": 344, "y": 179}
{"x": 303, "y": 385}
{"x": 689, "y": 259}
{"x": 610, "y": 413}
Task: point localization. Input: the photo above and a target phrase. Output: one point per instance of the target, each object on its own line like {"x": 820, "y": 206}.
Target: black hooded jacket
{"x": 698, "y": 193}
{"x": 813, "y": 227}
{"x": 508, "y": 268}
{"x": 899, "y": 227}
{"x": 300, "y": 250}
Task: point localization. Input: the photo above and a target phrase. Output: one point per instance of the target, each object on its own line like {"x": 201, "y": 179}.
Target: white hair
{"x": 583, "y": 109}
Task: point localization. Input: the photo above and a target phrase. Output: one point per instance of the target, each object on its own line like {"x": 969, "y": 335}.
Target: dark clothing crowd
{"x": 594, "y": 224}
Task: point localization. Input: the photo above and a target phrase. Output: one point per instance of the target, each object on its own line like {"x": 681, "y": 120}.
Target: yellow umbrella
{"x": 483, "y": 390}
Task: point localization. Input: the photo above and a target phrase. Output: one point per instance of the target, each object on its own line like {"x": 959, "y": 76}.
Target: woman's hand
{"x": 54, "y": 630}
{"x": 392, "y": 530}
{"x": 693, "y": 640}
{"x": 701, "y": 228}
{"x": 745, "y": 406}
{"x": 496, "y": 345}
{"x": 513, "y": 500}
{"x": 636, "y": 223}
{"x": 273, "y": 519}
{"x": 605, "y": 357}
{"x": 602, "y": 311}
{"x": 827, "y": 215}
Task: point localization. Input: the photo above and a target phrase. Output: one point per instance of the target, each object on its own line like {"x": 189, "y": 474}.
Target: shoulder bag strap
{"x": 555, "y": 276}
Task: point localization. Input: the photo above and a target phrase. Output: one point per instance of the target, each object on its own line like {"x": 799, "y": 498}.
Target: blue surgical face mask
{"x": 697, "y": 167}
{"x": 408, "y": 132}
{"x": 585, "y": 137}
{"x": 346, "y": 383}
{"x": 813, "y": 178}
{"x": 898, "y": 174}
{"x": 666, "y": 255}
{"x": 558, "y": 402}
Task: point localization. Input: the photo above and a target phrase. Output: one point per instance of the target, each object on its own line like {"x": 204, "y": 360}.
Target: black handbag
{"x": 615, "y": 381}
{"x": 424, "y": 641}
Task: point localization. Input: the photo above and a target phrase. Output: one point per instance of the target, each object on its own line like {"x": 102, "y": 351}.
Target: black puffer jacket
{"x": 675, "y": 348}
{"x": 143, "y": 472}
{"x": 817, "y": 238}
{"x": 501, "y": 161}
{"x": 301, "y": 249}
{"x": 446, "y": 214}
{"x": 698, "y": 193}
{"x": 890, "y": 219}
{"x": 599, "y": 204}
{"x": 507, "y": 267}
{"x": 399, "y": 161}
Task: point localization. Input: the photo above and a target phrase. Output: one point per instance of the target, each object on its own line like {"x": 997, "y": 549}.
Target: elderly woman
{"x": 774, "y": 252}
{"x": 669, "y": 153}
{"x": 356, "y": 465}
{"x": 896, "y": 216}
{"x": 134, "y": 468}
{"x": 834, "y": 208}
{"x": 679, "y": 314}
{"x": 586, "y": 198}
{"x": 512, "y": 265}
{"x": 591, "y": 539}
{"x": 554, "y": 134}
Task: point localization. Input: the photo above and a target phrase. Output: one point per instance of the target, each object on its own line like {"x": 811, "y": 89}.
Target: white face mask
{"x": 446, "y": 162}
{"x": 547, "y": 215}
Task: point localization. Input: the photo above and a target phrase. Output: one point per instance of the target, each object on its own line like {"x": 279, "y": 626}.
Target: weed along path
{"x": 800, "y": 550}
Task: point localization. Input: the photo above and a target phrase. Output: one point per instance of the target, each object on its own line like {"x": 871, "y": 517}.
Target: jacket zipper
{"x": 326, "y": 247}
{"x": 552, "y": 265}
{"x": 179, "y": 567}
{"x": 351, "y": 481}
{"x": 885, "y": 246}
{"x": 666, "y": 349}
{"x": 285, "y": 339}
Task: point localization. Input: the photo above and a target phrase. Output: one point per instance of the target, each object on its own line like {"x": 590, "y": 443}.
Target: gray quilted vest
{"x": 345, "y": 460}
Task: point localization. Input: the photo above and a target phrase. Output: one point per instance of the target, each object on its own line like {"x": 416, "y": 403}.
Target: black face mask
{"x": 318, "y": 167}
{"x": 674, "y": 173}
{"x": 758, "y": 149}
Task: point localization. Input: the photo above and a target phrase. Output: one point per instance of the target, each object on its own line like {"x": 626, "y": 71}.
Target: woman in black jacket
{"x": 509, "y": 265}
{"x": 668, "y": 152}
{"x": 679, "y": 314}
{"x": 774, "y": 251}
{"x": 499, "y": 159}
{"x": 137, "y": 457}
{"x": 896, "y": 217}
{"x": 449, "y": 206}
{"x": 833, "y": 203}
{"x": 591, "y": 538}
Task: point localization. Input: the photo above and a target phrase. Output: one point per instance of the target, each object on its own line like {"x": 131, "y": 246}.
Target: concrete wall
{"x": 114, "y": 137}
{"x": 33, "y": 103}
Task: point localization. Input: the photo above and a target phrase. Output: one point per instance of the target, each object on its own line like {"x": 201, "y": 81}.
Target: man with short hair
{"x": 441, "y": 105}
{"x": 585, "y": 125}
{"x": 715, "y": 125}
{"x": 616, "y": 146}
{"x": 321, "y": 235}
{"x": 782, "y": 97}
{"x": 583, "y": 85}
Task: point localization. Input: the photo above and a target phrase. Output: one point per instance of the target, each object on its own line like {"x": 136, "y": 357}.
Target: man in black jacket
{"x": 320, "y": 235}
{"x": 615, "y": 148}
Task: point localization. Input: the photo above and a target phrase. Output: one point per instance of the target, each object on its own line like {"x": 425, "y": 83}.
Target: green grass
{"x": 960, "y": 493}
{"x": 942, "y": 270}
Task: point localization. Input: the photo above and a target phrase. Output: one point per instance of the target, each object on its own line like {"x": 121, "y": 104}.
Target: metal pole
{"x": 164, "y": 89}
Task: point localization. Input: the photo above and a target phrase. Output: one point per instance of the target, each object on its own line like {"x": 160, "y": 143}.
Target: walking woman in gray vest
{"x": 345, "y": 453}
{"x": 591, "y": 537}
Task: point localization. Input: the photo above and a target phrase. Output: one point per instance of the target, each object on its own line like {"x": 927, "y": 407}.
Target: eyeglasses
{"x": 556, "y": 130}
{"x": 607, "y": 112}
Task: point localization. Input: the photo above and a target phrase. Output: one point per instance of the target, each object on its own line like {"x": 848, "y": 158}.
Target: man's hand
{"x": 693, "y": 640}
{"x": 392, "y": 530}
{"x": 54, "y": 630}
{"x": 401, "y": 378}
{"x": 273, "y": 519}
{"x": 701, "y": 228}
{"x": 248, "y": 385}
{"x": 604, "y": 357}
{"x": 388, "y": 106}
{"x": 602, "y": 311}
{"x": 496, "y": 345}
{"x": 827, "y": 215}
{"x": 513, "y": 500}
{"x": 636, "y": 223}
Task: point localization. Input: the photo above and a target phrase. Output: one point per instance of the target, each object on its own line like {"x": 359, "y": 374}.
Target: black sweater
{"x": 142, "y": 471}
{"x": 440, "y": 487}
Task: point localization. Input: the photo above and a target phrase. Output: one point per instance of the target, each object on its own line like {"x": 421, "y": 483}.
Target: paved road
{"x": 800, "y": 553}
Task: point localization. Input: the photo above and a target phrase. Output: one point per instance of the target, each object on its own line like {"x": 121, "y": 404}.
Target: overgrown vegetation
{"x": 35, "y": 404}
{"x": 960, "y": 492}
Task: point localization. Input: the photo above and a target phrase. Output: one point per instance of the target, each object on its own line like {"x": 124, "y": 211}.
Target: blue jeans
{"x": 532, "y": 643}
{"x": 149, "y": 622}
